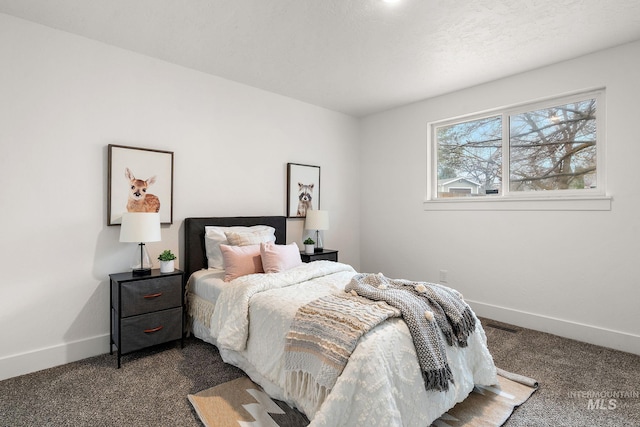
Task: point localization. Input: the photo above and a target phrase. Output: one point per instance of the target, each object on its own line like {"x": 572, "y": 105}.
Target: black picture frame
{"x": 129, "y": 166}
{"x": 303, "y": 182}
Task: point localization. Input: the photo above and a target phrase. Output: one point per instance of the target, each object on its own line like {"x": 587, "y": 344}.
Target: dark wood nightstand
{"x": 146, "y": 310}
{"x": 328, "y": 254}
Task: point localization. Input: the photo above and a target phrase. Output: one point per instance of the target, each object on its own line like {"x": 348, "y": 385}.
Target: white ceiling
{"x": 353, "y": 56}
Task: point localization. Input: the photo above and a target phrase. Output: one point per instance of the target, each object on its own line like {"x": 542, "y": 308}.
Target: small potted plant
{"x": 309, "y": 245}
{"x": 167, "y": 261}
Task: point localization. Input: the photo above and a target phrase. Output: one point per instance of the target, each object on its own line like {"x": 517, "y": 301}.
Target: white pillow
{"x": 254, "y": 237}
{"x": 214, "y": 236}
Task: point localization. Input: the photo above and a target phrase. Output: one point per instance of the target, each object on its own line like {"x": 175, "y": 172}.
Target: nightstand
{"x": 328, "y": 254}
{"x": 146, "y": 310}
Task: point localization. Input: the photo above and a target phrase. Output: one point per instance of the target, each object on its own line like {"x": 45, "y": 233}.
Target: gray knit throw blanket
{"x": 427, "y": 309}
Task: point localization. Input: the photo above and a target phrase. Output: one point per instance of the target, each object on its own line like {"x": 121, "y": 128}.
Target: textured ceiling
{"x": 357, "y": 57}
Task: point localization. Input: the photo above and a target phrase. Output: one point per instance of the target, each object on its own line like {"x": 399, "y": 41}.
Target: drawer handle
{"x": 152, "y": 330}
{"x": 148, "y": 296}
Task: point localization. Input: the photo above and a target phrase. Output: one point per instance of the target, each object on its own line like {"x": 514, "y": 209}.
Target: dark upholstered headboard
{"x": 195, "y": 257}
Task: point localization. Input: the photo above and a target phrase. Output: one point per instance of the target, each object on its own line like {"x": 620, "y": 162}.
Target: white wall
{"x": 570, "y": 273}
{"x": 63, "y": 99}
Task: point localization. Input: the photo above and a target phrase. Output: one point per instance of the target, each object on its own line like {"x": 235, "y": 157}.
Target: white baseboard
{"x": 617, "y": 340}
{"x": 48, "y": 357}
{"x": 25, "y": 363}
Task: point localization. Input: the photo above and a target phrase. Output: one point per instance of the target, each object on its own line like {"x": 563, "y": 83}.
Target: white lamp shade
{"x": 140, "y": 227}
{"x": 317, "y": 220}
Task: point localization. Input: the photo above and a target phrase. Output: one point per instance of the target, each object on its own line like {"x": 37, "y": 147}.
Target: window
{"x": 550, "y": 149}
{"x": 471, "y": 152}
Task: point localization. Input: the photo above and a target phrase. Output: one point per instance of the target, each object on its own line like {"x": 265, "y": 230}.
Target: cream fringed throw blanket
{"x": 427, "y": 309}
{"x": 325, "y": 332}
{"x": 321, "y": 338}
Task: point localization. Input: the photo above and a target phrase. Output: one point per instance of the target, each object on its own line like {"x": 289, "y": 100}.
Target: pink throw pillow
{"x": 240, "y": 261}
{"x": 277, "y": 258}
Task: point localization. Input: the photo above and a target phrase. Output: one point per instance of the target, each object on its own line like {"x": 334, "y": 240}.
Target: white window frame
{"x": 582, "y": 199}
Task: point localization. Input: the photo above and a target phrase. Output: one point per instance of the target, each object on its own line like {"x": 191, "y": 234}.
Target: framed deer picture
{"x": 139, "y": 180}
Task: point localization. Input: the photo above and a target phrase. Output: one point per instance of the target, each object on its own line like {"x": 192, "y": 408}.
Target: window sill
{"x": 602, "y": 203}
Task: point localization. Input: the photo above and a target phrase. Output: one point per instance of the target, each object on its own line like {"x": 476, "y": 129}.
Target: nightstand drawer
{"x": 326, "y": 254}
{"x": 145, "y": 296}
{"x": 146, "y": 310}
{"x": 328, "y": 257}
{"x": 149, "y": 329}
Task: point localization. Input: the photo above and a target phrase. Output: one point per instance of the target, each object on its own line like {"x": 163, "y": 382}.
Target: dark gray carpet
{"x": 567, "y": 372}
{"x": 151, "y": 387}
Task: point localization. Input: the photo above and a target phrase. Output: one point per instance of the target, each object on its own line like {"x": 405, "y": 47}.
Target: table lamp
{"x": 140, "y": 227}
{"x": 317, "y": 220}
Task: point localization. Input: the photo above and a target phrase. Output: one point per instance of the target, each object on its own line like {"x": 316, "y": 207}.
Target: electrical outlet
{"x": 443, "y": 276}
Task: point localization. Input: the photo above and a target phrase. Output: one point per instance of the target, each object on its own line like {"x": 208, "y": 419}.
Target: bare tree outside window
{"x": 554, "y": 148}
{"x": 548, "y": 149}
{"x": 471, "y": 150}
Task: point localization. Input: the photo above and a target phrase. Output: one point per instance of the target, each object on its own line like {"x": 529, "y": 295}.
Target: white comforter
{"x": 381, "y": 384}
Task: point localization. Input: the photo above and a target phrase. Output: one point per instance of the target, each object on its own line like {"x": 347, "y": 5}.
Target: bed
{"x": 248, "y": 319}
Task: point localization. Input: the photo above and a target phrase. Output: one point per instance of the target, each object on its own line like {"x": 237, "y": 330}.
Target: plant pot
{"x": 167, "y": 266}
{"x": 309, "y": 249}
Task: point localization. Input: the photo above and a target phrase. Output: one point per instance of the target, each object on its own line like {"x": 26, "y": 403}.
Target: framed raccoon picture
{"x": 139, "y": 180}
{"x": 303, "y": 189}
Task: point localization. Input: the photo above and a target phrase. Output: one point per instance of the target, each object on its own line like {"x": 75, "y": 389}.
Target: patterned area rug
{"x": 242, "y": 403}
{"x": 490, "y": 406}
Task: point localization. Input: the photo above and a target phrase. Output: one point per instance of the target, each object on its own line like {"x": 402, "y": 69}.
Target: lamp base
{"x": 318, "y": 250}
{"x": 319, "y": 244}
{"x": 141, "y": 271}
{"x": 141, "y": 264}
